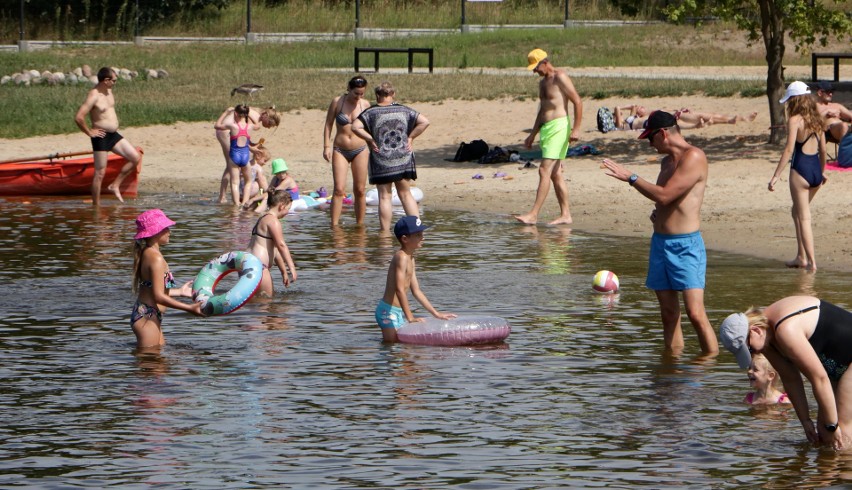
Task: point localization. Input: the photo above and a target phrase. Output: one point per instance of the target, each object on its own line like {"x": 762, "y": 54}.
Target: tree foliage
{"x": 806, "y": 23}
{"x": 97, "y": 17}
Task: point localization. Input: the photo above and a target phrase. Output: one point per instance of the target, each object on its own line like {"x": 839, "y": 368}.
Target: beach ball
{"x": 605, "y": 282}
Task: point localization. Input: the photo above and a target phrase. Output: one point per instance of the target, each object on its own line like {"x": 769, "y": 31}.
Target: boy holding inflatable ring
{"x": 393, "y": 310}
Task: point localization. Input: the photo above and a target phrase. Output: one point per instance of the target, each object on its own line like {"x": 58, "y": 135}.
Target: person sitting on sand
{"x": 638, "y": 114}
{"x": 837, "y": 117}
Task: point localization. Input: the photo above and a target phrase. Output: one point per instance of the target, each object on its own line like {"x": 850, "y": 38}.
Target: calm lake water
{"x": 299, "y": 392}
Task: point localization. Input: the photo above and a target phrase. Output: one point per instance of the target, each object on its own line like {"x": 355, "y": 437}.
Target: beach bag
{"x": 844, "y": 151}
{"x": 497, "y": 155}
{"x": 606, "y": 122}
{"x": 469, "y": 152}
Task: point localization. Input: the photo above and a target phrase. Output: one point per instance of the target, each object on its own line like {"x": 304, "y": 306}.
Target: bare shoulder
{"x": 153, "y": 257}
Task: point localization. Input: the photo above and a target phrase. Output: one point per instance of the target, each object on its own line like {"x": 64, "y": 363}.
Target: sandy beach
{"x": 739, "y": 213}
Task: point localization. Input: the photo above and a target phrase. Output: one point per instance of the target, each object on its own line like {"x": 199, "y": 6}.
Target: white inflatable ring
{"x": 250, "y": 270}
{"x": 373, "y": 196}
{"x": 464, "y": 330}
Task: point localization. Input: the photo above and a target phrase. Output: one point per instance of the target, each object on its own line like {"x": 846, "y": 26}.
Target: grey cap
{"x": 734, "y": 334}
{"x": 825, "y": 86}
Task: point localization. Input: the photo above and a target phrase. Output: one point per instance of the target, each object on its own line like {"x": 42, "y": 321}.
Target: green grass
{"x": 296, "y": 75}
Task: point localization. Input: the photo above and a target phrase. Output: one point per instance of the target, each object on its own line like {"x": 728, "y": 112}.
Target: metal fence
{"x": 250, "y": 36}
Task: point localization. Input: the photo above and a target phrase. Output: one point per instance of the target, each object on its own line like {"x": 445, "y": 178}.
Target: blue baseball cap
{"x": 408, "y": 225}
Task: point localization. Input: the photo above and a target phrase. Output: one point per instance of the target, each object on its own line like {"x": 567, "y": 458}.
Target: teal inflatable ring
{"x": 250, "y": 270}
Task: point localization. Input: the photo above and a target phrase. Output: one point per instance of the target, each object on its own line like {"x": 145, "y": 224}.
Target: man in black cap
{"x": 678, "y": 260}
{"x": 837, "y": 116}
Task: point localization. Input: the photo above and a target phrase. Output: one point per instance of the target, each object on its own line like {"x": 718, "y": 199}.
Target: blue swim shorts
{"x": 676, "y": 262}
{"x": 388, "y": 316}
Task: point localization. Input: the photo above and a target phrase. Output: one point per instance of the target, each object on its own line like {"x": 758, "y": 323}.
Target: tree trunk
{"x": 772, "y": 28}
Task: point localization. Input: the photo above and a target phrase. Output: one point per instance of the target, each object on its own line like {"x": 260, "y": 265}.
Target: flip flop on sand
{"x": 477, "y": 177}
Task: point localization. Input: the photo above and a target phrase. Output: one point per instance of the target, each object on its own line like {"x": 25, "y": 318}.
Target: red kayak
{"x": 61, "y": 174}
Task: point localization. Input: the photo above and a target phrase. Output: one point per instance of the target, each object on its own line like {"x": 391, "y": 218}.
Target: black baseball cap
{"x": 825, "y": 86}
{"x": 658, "y": 120}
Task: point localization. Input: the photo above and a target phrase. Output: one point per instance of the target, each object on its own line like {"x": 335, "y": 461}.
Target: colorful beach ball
{"x": 605, "y": 282}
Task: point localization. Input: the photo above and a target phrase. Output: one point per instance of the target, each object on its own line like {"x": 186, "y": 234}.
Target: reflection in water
{"x": 300, "y": 385}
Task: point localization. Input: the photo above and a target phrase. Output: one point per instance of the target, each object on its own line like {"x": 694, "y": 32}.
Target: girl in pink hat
{"x": 152, "y": 281}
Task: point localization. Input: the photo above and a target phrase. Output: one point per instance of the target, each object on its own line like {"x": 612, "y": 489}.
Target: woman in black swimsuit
{"x": 801, "y": 335}
{"x": 347, "y": 149}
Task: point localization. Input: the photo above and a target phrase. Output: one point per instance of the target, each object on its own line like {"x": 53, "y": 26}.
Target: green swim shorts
{"x": 554, "y": 136}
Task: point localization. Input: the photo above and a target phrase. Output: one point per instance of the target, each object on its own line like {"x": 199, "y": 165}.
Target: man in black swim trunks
{"x": 100, "y": 107}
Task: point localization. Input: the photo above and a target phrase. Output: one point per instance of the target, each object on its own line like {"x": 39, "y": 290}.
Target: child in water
{"x": 154, "y": 284}
{"x": 764, "y": 379}
{"x": 267, "y": 242}
{"x": 393, "y": 309}
{"x": 281, "y": 181}
{"x": 240, "y": 127}
{"x": 257, "y": 186}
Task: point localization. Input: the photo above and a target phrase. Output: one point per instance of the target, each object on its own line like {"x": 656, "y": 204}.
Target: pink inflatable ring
{"x": 464, "y": 330}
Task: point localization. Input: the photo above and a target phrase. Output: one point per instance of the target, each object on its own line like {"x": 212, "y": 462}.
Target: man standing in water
{"x": 100, "y": 106}
{"x": 677, "y": 261}
{"x": 555, "y": 91}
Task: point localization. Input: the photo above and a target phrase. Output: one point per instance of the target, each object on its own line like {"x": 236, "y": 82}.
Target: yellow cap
{"x": 535, "y": 57}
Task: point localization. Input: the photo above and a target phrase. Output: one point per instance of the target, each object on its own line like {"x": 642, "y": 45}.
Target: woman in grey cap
{"x": 802, "y": 335}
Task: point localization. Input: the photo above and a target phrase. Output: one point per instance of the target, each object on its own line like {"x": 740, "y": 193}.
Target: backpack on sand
{"x": 469, "y": 152}
{"x": 606, "y": 122}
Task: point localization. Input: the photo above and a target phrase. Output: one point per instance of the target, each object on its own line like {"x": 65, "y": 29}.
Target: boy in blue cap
{"x": 393, "y": 310}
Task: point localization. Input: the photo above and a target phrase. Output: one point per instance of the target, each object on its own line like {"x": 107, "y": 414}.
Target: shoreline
{"x": 739, "y": 214}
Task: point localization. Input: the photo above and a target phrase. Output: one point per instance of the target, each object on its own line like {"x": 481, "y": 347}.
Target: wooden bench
{"x": 410, "y": 52}
{"x": 815, "y": 57}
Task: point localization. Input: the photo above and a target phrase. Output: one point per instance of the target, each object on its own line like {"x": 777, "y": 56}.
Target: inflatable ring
{"x": 463, "y": 330}
{"x": 373, "y": 196}
{"x": 251, "y": 271}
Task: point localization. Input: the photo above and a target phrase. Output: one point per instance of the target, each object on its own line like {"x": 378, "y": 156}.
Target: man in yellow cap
{"x": 555, "y": 91}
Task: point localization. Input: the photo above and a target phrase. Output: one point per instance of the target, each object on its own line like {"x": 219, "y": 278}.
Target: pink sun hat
{"x": 150, "y": 223}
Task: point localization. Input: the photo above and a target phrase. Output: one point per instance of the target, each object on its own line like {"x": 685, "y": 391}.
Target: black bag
{"x": 498, "y": 155}
{"x": 469, "y": 152}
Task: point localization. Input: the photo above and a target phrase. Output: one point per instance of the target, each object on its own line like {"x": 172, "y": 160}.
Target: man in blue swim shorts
{"x": 677, "y": 261}
{"x": 555, "y": 92}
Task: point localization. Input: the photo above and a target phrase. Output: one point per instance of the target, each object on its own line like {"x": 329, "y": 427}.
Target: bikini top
{"x": 803, "y": 310}
{"x": 342, "y": 119}
{"x": 168, "y": 282}
{"x": 257, "y": 233}
{"x": 242, "y": 132}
